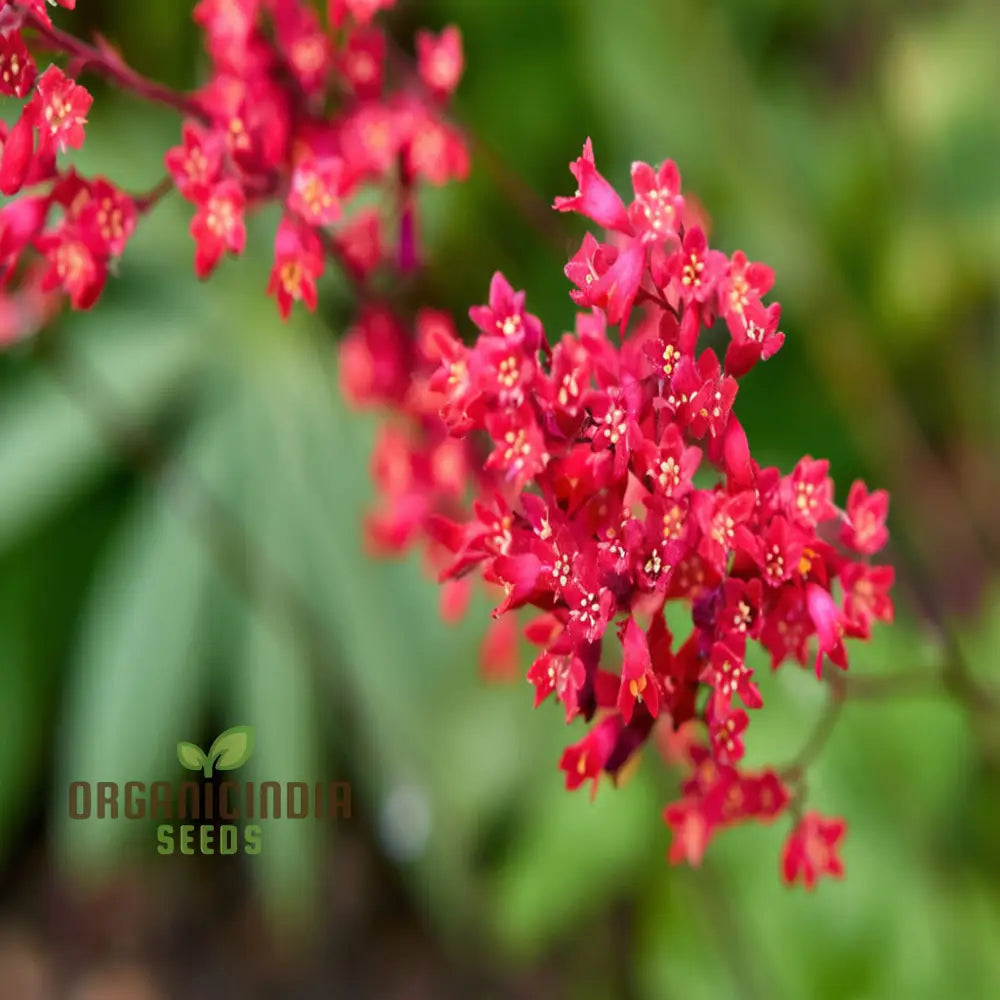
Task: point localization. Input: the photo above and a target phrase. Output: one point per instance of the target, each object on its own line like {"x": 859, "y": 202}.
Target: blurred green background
{"x": 854, "y": 147}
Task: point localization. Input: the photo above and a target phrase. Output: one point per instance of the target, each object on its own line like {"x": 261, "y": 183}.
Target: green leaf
{"x": 191, "y": 756}
{"x": 137, "y": 680}
{"x": 50, "y": 449}
{"x": 232, "y": 748}
{"x": 270, "y": 680}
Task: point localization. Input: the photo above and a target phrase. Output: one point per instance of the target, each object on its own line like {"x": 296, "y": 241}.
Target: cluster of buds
{"x": 300, "y": 109}
{"x": 623, "y": 481}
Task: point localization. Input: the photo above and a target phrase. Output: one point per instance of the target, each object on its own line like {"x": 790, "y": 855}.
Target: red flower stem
{"x": 645, "y": 296}
{"x": 114, "y": 70}
{"x": 532, "y": 207}
{"x": 145, "y": 203}
{"x": 952, "y": 676}
{"x": 535, "y": 211}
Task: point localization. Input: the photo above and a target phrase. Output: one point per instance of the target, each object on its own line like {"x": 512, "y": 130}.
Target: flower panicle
{"x": 298, "y": 109}
{"x": 614, "y": 478}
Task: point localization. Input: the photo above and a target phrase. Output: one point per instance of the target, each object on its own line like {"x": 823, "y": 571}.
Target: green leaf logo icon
{"x": 230, "y": 750}
{"x": 191, "y": 756}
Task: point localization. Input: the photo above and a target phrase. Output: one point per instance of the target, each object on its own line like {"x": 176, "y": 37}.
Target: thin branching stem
{"x": 823, "y": 730}
{"x": 112, "y": 67}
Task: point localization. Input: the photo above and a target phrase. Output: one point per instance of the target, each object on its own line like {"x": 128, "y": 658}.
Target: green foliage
{"x": 851, "y": 146}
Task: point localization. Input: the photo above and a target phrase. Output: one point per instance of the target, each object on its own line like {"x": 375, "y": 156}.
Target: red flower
{"x": 656, "y": 211}
{"x": 780, "y": 551}
{"x": 195, "y": 165}
{"x": 616, "y": 426}
{"x": 727, "y": 731}
{"x": 724, "y": 521}
{"x": 370, "y": 141}
{"x": 755, "y": 337}
{"x": 586, "y": 760}
{"x": 811, "y": 850}
{"x": 218, "y": 226}
{"x": 361, "y": 10}
{"x": 639, "y": 683}
{"x": 298, "y": 262}
{"x": 60, "y": 109}
{"x": 702, "y": 395}
{"x": 670, "y": 465}
{"x": 559, "y": 669}
{"x": 17, "y": 68}
{"x": 360, "y": 242}
{"x": 864, "y": 529}
{"x": 729, "y": 675}
{"x": 108, "y": 217}
{"x": 809, "y": 493}
{"x": 436, "y": 152}
{"x": 228, "y": 23}
{"x": 505, "y": 316}
{"x": 731, "y": 452}
{"x": 585, "y": 269}
{"x": 866, "y": 596}
{"x": 439, "y": 59}
{"x": 304, "y": 46}
{"x": 376, "y": 358}
{"x": 20, "y": 222}
{"x": 595, "y": 197}
{"x": 37, "y": 7}
{"x": 591, "y": 605}
{"x": 616, "y": 289}
{"x": 697, "y": 270}
{"x": 314, "y": 193}
{"x": 499, "y": 654}
{"x": 829, "y": 622}
{"x": 73, "y": 266}
{"x": 744, "y": 286}
{"x": 362, "y": 62}
{"x": 18, "y": 150}
{"x": 691, "y": 832}
{"x": 520, "y": 447}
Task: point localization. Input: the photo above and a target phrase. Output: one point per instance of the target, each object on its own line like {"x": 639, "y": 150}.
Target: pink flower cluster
{"x": 623, "y": 480}
{"x": 299, "y": 109}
